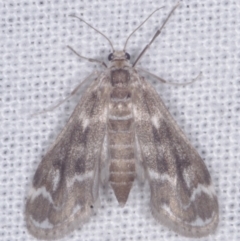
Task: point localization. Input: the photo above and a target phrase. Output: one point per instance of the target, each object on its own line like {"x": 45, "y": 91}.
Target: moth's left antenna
{"x": 94, "y": 29}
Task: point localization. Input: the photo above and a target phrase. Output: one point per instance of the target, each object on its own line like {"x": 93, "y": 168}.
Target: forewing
{"x": 182, "y": 195}
{"x": 65, "y": 185}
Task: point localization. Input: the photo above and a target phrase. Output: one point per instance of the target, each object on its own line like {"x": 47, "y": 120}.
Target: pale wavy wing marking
{"x": 65, "y": 185}
{"x": 182, "y": 196}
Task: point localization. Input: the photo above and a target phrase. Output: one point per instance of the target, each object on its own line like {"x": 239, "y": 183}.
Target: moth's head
{"x": 119, "y": 59}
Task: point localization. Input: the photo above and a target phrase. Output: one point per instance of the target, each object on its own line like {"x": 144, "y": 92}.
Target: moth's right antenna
{"x": 125, "y": 45}
{"x": 155, "y": 36}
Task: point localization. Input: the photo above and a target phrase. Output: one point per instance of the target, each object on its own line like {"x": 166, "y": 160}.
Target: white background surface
{"x": 38, "y": 70}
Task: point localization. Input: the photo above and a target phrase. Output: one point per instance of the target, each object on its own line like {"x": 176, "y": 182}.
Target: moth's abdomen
{"x": 121, "y": 143}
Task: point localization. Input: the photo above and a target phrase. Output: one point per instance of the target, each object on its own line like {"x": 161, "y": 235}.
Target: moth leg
{"x": 66, "y": 98}
{"x": 171, "y": 83}
{"x": 88, "y": 59}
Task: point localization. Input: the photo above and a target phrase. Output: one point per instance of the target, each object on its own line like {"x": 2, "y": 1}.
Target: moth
{"x": 120, "y": 131}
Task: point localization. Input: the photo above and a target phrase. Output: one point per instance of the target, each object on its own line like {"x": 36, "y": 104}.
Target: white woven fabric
{"x": 38, "y": 71}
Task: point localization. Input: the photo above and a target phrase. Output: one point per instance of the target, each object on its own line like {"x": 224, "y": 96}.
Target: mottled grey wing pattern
{"x": 182, "y": 196}
{"x": 65, "y": 185}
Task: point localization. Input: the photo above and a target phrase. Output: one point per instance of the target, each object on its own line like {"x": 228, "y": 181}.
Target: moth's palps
{"x": 121, "y": 130}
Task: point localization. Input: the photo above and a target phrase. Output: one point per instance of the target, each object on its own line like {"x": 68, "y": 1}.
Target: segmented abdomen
{"x": 121, "y": 143}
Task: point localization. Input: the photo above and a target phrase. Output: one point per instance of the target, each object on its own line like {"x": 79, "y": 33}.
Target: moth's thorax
{"x": 119, "y": 78}
{"x": 121, "y": 134}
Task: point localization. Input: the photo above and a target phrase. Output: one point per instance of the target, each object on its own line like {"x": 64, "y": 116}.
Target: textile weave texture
{"x": 38, "y": 71}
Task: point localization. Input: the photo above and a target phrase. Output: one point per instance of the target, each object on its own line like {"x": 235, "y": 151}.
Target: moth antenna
{"x": 125, "y": 45}
{"x": 95, "y": 30}
{"x": 155, "y": 35}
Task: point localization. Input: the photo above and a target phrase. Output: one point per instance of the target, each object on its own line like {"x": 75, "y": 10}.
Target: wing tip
{"x": 186, "y": 229}
{"x": 47, "y": 231}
